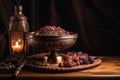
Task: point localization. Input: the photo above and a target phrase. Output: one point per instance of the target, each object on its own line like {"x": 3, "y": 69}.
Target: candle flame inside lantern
{"x": 17, "y": 47}
{"x": 16, "y": 44}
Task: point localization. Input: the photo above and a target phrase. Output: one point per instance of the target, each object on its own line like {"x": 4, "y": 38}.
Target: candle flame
{"x": 17, "y": 47}
{"x": 16, "y": 44}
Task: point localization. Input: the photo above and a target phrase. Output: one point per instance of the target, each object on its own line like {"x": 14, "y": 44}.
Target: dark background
{"x": 96, "y": 22}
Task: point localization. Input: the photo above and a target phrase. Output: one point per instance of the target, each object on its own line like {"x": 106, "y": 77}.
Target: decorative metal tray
{"x": 53, "y": 68}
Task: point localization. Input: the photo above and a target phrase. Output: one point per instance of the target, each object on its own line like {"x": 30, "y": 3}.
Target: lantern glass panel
{"x": 17, "y": 42}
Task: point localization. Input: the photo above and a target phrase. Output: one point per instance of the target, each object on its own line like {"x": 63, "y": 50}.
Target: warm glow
{"x": 19, "y": 40}
{"x": 17, "y": 47}
{"x": 59, "y": 59}
{"x": 16, "y": 44}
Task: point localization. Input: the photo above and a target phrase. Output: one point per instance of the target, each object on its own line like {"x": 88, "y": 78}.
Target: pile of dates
{"x": 72, "y": 59}
{"x": 51, "y": 31}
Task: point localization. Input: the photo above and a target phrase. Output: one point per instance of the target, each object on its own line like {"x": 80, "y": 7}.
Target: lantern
{"x": 18, "y": 29}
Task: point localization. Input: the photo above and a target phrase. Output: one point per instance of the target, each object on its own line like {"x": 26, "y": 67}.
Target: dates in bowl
{"x": 53, "y": 38}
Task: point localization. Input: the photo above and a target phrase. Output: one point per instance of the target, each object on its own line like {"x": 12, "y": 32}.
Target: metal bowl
{"x": 54, "y": 43}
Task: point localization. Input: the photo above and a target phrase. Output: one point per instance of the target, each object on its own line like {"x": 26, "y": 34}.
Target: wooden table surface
{"x": 109, "y": 69}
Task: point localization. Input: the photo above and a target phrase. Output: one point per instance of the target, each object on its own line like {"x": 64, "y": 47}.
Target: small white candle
{"x": 17, "y": 47}
{"x": 59, "y": 59}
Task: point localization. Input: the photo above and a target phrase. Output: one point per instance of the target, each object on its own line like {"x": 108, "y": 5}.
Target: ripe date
{"x": 72, "y": 59}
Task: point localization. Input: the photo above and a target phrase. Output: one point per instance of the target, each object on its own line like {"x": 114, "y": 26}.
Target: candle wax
{"x": 17, "y": 47}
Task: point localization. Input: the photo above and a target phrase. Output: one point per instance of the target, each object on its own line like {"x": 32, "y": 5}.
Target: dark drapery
{"x": 96, "y": 21}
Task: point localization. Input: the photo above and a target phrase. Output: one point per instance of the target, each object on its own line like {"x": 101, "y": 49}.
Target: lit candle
{"x": 17, "y": 47}
{"x": 59, "y": 59}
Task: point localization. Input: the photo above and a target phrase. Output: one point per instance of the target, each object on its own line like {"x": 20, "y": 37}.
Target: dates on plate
{"x": 72, "y": 59}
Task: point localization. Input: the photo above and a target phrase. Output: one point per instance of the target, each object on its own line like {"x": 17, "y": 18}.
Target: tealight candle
{"x": 59, "y": 59}
{"x": 17, "y": 47}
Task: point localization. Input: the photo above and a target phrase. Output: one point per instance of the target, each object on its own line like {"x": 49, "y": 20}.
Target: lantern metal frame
{"x": 18, "y": 29}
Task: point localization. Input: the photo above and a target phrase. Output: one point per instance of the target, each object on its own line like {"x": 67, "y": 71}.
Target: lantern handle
{"x": 18, "y": 2}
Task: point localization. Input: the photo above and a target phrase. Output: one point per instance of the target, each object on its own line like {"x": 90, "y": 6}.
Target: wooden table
{"x": 109, "y": 69}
